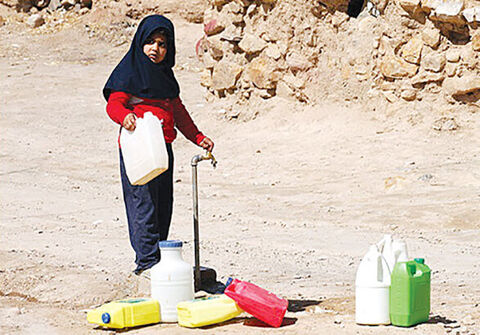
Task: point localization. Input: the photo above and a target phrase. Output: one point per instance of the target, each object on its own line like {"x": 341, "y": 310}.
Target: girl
{"x": 144, "y": 81}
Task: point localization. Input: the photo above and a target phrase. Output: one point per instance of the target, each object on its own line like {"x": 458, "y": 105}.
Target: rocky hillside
{"x": 402, "y": 53}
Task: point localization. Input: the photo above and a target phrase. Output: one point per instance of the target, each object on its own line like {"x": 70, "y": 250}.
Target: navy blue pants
{"x": 149, "y": 212}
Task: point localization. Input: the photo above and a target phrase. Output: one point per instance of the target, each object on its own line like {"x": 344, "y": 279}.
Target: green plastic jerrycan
{"x": 410, "y": 293}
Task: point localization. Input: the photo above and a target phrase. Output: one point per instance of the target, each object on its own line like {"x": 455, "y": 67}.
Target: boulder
{"x": 429, "y": 5}
{"x": 409, "y": 5}
{"x": 225, "y": 75}
{"x": 452, "y": 55}
{"x": 434, "y": 62}
{"x": 213, "y": 26}
{"x": 298, "y": 62}
{"x": 412, "y": 50}
{"x": 272, "y": 51}
{"x": 425, "y": 77}
{"x": 449, "y": 11}
{"x": 472, "y": 14}
{"x": 215, "y": 47}
{"x": 451, "y": 69}
{"x": 431, "y": 37}
{"x": 252, "y": 44}
{"x": 459, "y": 86}
{"x": 261, "y": 73}
{"x": 394, "y": 67}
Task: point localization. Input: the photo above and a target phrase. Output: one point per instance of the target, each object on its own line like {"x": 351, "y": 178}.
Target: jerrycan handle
{"x": 411, "y": 269}
{"x": 380, "y": 269}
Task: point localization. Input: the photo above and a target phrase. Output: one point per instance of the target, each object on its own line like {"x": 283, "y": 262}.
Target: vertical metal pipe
{"x": 196, "y": 228}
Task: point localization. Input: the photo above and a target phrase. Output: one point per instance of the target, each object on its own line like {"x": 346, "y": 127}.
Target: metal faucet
{"x": 195, "y": 159}
{"x": 208, "y": 155}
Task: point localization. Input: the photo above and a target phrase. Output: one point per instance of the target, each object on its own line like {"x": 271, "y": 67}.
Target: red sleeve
{"x": 117, "y": 106}
{"x": 184, "y": 122}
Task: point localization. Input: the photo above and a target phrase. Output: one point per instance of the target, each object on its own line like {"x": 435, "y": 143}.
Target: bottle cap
{"x": 419, "y": 260}
{"x": 106, "y": 318}
{"x": 170, "y": 244}
{"x": 229, "y": 281}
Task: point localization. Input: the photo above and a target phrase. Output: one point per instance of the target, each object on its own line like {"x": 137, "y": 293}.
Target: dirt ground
{"x": 299, "y": 194}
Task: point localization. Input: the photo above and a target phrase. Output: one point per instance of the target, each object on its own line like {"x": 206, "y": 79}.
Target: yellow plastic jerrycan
{"x": 126, "y": 313}
{"x": 207, "y": 311}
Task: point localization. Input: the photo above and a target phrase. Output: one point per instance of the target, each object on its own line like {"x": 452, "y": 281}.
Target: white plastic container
{"x": 171, "y": 280}
{"x": 393, "y": 251}
{"x": 144, "y": 151}
{"x": 372, "y": 288}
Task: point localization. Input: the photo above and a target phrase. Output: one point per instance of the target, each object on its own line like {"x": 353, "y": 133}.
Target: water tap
{"x": 207, "y": 156}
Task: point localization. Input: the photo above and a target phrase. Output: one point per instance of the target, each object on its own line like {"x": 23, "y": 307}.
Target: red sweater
{"x": 171, "y": 111}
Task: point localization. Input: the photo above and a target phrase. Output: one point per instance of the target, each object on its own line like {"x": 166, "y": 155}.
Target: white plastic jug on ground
{"x": 393, "y": 251}
{"x": 372, "y": 288}
{"x": 144, "y": 151}
{"x": 171, "y": 280}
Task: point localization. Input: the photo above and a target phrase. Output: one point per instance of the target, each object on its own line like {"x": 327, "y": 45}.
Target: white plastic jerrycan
{"x": 393, "y": 251}
{"x": 171, "y": 280}
{"x": 372, "y": 288}
{"x": 144, "y": 151}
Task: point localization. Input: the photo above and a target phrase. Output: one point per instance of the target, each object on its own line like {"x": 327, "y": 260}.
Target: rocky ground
{"x": 300, "y": 192}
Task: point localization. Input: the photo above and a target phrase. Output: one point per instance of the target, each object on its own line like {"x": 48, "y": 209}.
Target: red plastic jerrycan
{"x": 258, "y": 302}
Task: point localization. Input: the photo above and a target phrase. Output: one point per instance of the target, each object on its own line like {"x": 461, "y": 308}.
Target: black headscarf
{"x": 137, "y": 74}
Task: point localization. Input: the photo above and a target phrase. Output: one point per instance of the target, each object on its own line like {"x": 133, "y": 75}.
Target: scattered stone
{"x": 252, "y": 44}
{"x": 293, "y": 81}
{"x": 395, "y": 68}
{"x": 86, "y": 3}
{"x": 468, "y": 321}
{"x": 206, "y": 78}
{"x": 412, "y": 51}
{"x": 434, "y": 62}
{"x": 54, "y": 5}
{"x": 408, "y": 93}
{"x": 68, "y": 3}
{"x": 2, "y": 21}
{"x": 426, "y": 177}
{"x": 445, "y": 124}
{"x": 35, "y": 20}
{"x": 337, "y": 320}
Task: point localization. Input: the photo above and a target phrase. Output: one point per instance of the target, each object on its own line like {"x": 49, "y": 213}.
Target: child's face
{"x": 156, "y": 47}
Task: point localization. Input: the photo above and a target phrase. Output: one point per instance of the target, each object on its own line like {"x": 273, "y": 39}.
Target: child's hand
{"x": 207, "y": 144}
{"x": 129, "y": 123}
